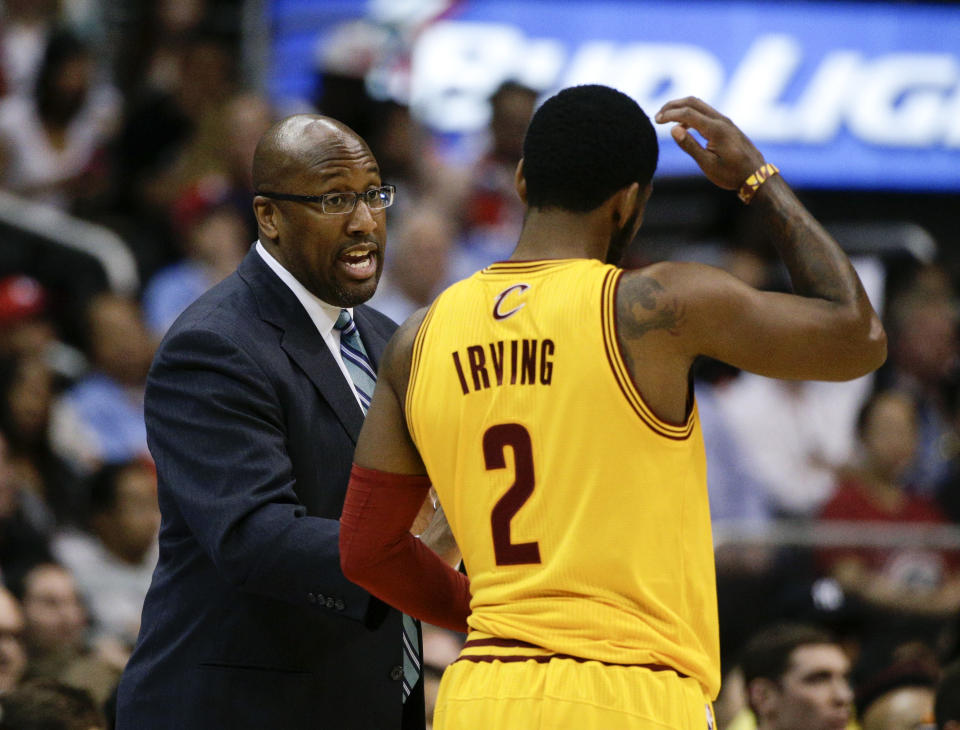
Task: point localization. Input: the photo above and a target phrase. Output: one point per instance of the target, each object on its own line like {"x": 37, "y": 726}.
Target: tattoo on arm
{"x": 647, "y": 306}
{"x": 818, "y": 266}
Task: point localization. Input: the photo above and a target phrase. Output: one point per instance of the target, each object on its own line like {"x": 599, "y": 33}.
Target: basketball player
{"x": 547, "y": 398}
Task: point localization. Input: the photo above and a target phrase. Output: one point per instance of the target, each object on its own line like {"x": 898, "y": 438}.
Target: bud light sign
{"x": 836, "y": 94}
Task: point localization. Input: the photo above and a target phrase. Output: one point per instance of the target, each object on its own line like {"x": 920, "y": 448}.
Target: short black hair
{"x": 900, "y": 673}
{"x": 767, "y": 653}
{"x": 947, "y": 705}
{"x": 584, "y": 144}
{"x": 104, "y": 484}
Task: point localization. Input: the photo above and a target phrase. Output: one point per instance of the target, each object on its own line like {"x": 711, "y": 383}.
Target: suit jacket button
{"x": 339, "y": 605}
{"x": 312, "y": 598}
{"x": 396, "y": 674}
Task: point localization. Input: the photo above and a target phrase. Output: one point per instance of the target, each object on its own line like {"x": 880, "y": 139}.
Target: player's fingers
{"x": 689, "y": 144}
{"x": 690, "y": 102}
{"x": 688, "y": 117}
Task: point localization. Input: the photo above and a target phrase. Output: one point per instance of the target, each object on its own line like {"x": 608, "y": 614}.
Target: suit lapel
{"x": 301, "y": 341}
{"x": 311, "y": 353}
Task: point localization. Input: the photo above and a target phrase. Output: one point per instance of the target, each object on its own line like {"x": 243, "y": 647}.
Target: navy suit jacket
{"x": 249, "y": 622}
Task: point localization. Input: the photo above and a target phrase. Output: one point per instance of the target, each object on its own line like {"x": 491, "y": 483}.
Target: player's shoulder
{"x": 406, "y": 333}
{"x": 672, "y": 278}
{"x": 398, "y": 356}
{"x": 669, "y": 271}
{"x": 674, "y": 297}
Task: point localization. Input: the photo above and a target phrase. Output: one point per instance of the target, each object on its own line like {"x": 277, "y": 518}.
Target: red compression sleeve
{"x": 378, "y": 553}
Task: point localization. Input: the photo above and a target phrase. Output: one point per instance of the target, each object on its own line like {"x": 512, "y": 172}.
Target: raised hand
{"x": 729, "y": 156}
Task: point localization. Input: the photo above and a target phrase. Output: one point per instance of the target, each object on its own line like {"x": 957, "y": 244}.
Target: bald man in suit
{"x": 252, "y": 418}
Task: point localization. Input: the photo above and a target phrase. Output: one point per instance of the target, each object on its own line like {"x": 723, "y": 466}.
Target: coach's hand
{"x": 439, "y": 538}
{"x": 728, "y": 158}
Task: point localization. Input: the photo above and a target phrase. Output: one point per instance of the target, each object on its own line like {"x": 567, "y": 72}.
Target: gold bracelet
{"x": 753, "y": 183}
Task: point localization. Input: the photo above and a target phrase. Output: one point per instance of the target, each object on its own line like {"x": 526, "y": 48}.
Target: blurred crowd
{"x": 137, "y": 117}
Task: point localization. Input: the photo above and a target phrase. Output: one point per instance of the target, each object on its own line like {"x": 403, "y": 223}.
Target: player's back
{"x": 582, "y": 517}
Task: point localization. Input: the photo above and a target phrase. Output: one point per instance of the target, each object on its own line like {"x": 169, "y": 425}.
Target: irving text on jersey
{"x": 511, "y": 362}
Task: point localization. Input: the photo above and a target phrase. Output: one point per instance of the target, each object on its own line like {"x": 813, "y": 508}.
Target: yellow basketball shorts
{"x": 568, "y": 694}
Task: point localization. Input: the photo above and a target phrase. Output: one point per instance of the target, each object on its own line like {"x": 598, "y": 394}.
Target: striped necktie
{"x": 364, "y": 378}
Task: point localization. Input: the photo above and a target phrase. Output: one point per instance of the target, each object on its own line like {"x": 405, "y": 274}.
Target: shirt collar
{"x": 323, "y": 314}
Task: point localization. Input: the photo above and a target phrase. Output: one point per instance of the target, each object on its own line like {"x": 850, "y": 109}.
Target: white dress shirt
{"x": 322, "y": 314}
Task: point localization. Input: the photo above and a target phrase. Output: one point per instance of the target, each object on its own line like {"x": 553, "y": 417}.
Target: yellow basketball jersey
{"x": 583, "y": 518}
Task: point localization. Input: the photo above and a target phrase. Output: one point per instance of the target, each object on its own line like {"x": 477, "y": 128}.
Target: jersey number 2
{"x": 495, "y": 441}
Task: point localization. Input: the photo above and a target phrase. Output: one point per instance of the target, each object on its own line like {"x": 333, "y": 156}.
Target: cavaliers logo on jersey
{"x": 498, "y": 304}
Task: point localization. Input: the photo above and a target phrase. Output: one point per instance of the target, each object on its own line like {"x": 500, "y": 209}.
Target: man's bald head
{"x": 297, "y": 143}
{"x": 337, "y": 256}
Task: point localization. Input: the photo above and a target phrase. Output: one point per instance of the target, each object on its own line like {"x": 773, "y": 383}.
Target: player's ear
{"x": 520, "y": 182}
{"x": 632, "y": 199}
{"x": 626, "y": 203}
{"x": 762, "y": 696}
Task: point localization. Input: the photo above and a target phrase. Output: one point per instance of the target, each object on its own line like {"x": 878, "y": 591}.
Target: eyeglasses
{"x": 342, "y": 203}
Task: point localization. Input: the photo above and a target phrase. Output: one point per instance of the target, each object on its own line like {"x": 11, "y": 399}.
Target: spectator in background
{"x": 13, "y": 654}
{"x": 25, "y": 27}
{"x": 23, "y": 328}
{"x": 24, "y": 525}
{"x": 899, "y": 697}
{"x": 409, "y": 160}
{"x": 212, "y": 217}
{"x": 28, "y": 328}
{"x": 45, "y": 704}
{"x": 425, "y": 215}
{"x": 947, "y": 701}
{"x": 215, "y": 245}
{"x": 113, "y": 562}
{"x": 797, "y": 678}
{"x": 56, "y": 634}
{"x": 904, "y": 592}
{"x": 417, "y": 268}
{"x": 924, "y": 358}
{"x": 492, "y": 213}
{"x": 26, "y": 395}
{"x": 148, "y": 55}
{"x": 344, "y": 57}
{"x": 153, "y": 149}
{"x": 903, "y": 580}
{"x": 100, "y": 419}
{"x": 948, "y": 491}
{"x": 52, "y": 144}
{"x": 216, "y": 163}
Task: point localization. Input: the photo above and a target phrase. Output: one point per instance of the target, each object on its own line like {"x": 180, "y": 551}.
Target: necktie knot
{"x": 344, "y": 322}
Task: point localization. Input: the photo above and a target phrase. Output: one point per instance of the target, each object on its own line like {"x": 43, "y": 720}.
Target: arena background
{"x": 858, "y": 103}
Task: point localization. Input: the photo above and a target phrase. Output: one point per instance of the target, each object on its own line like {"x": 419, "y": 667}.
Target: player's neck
{"x": 559, "y": 234}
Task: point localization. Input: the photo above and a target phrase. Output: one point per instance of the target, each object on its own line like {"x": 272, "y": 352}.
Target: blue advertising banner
{"x": 838, "y": 94}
